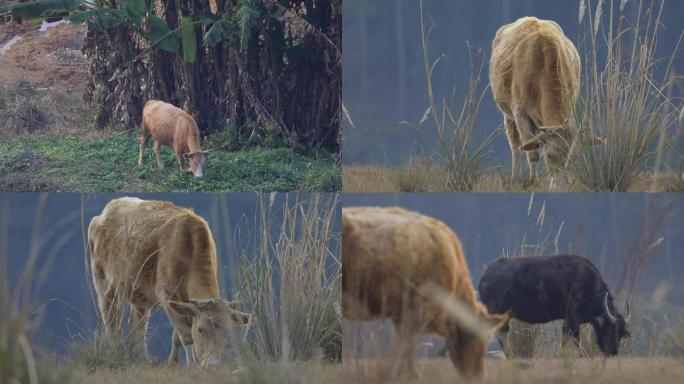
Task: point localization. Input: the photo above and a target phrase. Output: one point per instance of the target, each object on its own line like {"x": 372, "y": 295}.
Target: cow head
{"x": 467, "y": 350}
{"x": 213, "y": 322}
{"x": 196, "y": 161}
{"x": 610, "y": 327}
{"x": 555, "y": 144}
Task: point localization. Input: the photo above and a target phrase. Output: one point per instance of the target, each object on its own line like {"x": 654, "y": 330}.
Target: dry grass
{"x": 457, "y": 147}
{"x": 291, "y": 283}
{"x": 622, "y": 98}
{"x": 310, "y": 372}
{"x": 20, "y": 360}
{"x": 618, "y": 370}
{"x": 27, "y": 109}
{"x": 372, "y": 178}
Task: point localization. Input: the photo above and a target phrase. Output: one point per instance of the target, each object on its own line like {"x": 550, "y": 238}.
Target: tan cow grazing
{"x": 154, "y": 254}
{"x": 535, "y": 77}
{"x": 171, "y": 126}
{"x": 388, "y": 256}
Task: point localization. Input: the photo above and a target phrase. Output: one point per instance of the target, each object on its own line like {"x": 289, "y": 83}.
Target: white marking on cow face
{"x": 196, "y": 162}
{"x": 213, "y": 322}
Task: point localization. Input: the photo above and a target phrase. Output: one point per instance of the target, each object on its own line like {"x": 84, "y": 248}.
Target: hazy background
{"x": 384, "y": 80}
{"x": 605, "y": 228}
{"x": 68, "y": 312}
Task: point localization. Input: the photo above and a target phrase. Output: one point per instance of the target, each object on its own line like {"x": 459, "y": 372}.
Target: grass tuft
{"x": 622, "y": 99}
{"x": 295, "y": 272}
{"x": 458, "y": 149}
{"x": 414, "y": 176}
{"x": 105, "y": 352}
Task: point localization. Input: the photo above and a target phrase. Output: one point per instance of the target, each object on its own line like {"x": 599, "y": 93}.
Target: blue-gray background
{"x": 602, "y": 227}
{"x": 69, "y": 313}
{"x": 384, "y": 80}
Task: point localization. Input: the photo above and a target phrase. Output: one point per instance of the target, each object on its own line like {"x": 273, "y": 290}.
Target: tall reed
{"x": 626, "y": 95}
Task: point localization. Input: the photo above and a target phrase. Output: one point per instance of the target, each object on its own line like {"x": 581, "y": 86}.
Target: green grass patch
{"x": 72, "y": 163}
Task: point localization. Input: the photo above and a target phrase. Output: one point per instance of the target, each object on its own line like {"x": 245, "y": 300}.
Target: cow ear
{"x": 185, "y": 309}
{"x": 187, "y": 155}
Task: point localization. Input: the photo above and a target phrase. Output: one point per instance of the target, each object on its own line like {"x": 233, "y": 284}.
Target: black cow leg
{"x": 502, "y": 338}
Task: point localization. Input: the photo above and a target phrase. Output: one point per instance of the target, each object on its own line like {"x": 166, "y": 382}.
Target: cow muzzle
{"x": 198, "y": 173}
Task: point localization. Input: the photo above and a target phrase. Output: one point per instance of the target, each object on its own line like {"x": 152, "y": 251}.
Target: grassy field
{"x": 371, "y": 178}
{"x": 540, "y": 370}
{"x": 308, "y": 372}
{"x": 621, "y": 370}
{"x": 76, "y": 162}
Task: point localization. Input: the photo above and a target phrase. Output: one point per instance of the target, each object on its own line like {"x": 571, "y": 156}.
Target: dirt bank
{"x": 46, "y": 59}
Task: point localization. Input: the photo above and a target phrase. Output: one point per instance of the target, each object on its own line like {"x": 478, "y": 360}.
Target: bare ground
{"x": 50, "y": 59}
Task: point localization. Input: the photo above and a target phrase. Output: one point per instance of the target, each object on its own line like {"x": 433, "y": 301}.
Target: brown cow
{"x": 535, "y": 76}
{"x": 389, "y": 255}
{"x": 151, "y": 254}
{"x": 173, "y": 127}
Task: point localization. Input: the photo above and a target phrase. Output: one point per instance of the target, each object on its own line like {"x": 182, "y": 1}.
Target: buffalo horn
{"x": 605, "y": 306}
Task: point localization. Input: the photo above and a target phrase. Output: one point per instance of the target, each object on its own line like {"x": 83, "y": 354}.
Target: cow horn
{"x": 629, "y": 312}
{"x": 605, "y": 306}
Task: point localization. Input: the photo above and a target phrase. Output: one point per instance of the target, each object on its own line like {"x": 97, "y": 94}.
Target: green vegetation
{"x": 70, "y": 162}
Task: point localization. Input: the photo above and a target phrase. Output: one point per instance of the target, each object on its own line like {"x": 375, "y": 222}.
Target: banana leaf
{"x": 189, "y": 40}
{"x": 161, "y": 33}
{"x": 215, "y": 33}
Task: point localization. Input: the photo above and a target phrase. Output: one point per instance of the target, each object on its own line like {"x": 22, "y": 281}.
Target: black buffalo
{"x": 545, "y": 288}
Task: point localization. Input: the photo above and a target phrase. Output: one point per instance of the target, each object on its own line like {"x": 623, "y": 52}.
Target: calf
{"x": 534, "y": 73}
{"x": 152, "y": 254}
{"x": 173, "y": 127}
{"x": 541, "y": 289}
{"x": 390, "y": 256}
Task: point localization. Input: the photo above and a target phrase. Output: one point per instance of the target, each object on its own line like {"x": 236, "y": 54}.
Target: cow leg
{"x": 176, "y": 343}
{"x": 502, "y": 338}
{"x": 143, "y": 142}
{"x": 137, "y": 325}
{"x": 189, "y": 354}
{"x": 515, "y": 143}
{"x": 181, "y": 162}
{"x": 175, "y": 347}
{"x": 108, "y": 301}
{"x": 526, "y": 129}
{"x": 157, "y": 148}
{"x": 403, "y": 353}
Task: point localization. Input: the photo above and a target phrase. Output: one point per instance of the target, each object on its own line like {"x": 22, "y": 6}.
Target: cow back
{"x": 170, "y": 125}
{"x": 389, "y": 253}
{"x": 534, "y": 66}
{"x": 144, "y": 245}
